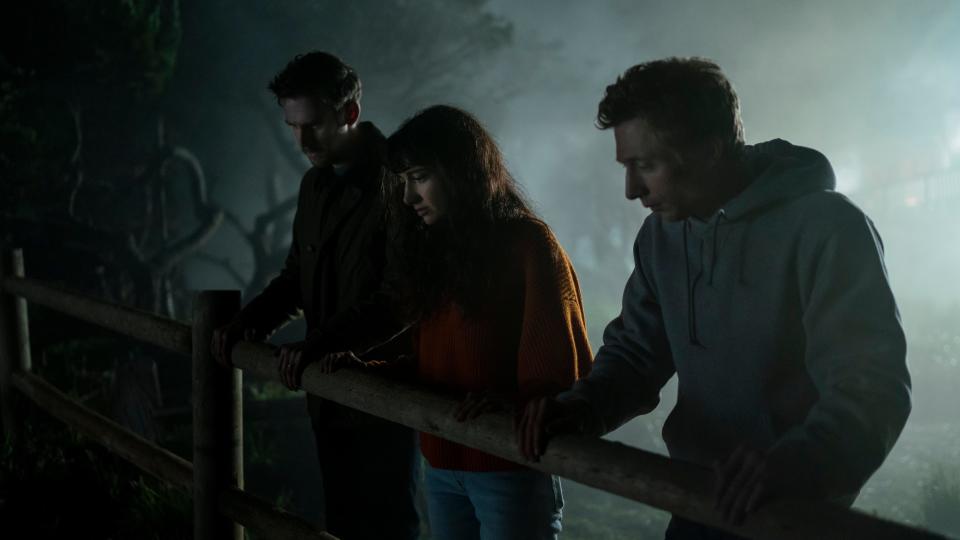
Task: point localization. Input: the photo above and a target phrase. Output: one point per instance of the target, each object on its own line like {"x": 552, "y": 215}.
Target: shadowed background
{"x": 127, "y": 128}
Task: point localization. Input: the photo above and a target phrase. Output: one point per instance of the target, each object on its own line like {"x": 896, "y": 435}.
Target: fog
{"x": 873, "y": 85}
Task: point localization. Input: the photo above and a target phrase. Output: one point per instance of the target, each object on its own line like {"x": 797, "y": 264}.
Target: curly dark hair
{"x": 317, "y": 74}
{"x": 451, "y": 259}
{"x": 687, "y": 101}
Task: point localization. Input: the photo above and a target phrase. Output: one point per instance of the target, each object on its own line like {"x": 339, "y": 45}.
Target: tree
{"x": 408, "y": 54}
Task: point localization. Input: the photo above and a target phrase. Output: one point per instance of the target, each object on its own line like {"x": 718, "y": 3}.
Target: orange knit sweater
{"x": 530, "y": 341}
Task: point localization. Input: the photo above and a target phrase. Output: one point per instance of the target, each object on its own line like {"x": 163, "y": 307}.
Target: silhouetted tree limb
{"x": 224, "y": 264}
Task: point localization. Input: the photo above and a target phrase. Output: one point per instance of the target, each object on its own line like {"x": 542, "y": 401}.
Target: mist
{"x": 873, "y": 85}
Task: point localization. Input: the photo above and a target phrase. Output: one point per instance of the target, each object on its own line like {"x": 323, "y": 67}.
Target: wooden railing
{"x": 216, "y": 474}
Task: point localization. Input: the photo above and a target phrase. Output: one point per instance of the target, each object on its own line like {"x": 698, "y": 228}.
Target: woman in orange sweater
{"x": 499, "y": 313}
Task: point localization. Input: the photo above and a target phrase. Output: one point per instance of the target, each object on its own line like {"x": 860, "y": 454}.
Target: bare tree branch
{"x": 224, "y": 264}
{"x": 76, "y": 165}
{"x": 165, "y": 260}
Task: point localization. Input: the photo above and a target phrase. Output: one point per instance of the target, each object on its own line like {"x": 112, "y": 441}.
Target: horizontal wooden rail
{"x": 652, "y": 479}
{"x": 267, "y": 520}
{"x": 156, "y": 461}
{"x": 247, "y": 510}
{"x": 677, "y": 487}
{"x": 138, "y": 324}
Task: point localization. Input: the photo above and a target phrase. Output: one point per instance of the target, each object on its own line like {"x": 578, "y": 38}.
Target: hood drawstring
{"x": 741, "y": 280}
{"x": 721, "y": 216}
{"x": 691, "y": 287}
{"x": 741, "y": 249}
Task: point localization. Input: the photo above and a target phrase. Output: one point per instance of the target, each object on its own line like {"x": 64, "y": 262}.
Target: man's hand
{"x": 225, "y": 337}
{"x": 292, "y": 360}
{"x": 545, "y": 417}
{"x": 750, "y": 477}
{"x": 477, "y": 403}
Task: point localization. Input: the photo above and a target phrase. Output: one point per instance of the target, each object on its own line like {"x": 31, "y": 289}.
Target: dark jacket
{"x": 334, "y": 271}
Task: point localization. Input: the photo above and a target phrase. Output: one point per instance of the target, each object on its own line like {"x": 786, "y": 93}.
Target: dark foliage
{"x": 54, "y": 484}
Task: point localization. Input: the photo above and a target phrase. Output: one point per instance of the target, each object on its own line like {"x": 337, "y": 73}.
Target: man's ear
{"x": 351, "y": 113}
{"x": 707, "y": 154}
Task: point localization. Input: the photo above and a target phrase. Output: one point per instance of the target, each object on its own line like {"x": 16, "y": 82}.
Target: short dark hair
{"x": 687, "y": 101}
{"x": 318, "y": 74}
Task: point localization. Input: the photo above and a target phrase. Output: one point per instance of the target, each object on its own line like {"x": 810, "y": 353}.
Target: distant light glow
{"x": 912, "y": 200}
{"x": 848, "y": 178}
{"x": 953, "y": 138}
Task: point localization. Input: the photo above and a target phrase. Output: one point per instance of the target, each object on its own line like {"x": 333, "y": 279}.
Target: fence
{"x": 215, "y": 477}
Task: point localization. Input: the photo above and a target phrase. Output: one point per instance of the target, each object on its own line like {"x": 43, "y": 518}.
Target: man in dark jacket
{"x": 331, "y": 276}
{"x": 760, "y": 287}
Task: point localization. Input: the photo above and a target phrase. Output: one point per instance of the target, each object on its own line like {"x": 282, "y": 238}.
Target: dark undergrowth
{"x": 56, "y": 484}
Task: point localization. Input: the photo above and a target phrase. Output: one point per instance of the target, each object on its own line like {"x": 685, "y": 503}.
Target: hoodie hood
{"x": 780, "y": 172}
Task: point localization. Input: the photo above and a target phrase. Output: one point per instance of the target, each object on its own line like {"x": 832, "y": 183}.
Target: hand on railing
{"x": 477, "y": 403}
{"x": 291, "y": 361}
{"x": 295, "y": 357}
{"x": 545, "y": 417}
{"x": 337, "y": 360}
{"x": 225, "y": 337}
{"x": 750, "y": 477}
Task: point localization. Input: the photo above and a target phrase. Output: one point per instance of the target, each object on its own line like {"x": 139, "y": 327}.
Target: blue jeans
{"x": 523, "y": 504}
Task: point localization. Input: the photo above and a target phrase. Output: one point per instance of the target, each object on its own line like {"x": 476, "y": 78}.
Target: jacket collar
{"x": 364, "y": 175}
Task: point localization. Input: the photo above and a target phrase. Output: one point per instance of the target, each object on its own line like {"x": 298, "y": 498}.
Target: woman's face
{"x": 423, "y": 191}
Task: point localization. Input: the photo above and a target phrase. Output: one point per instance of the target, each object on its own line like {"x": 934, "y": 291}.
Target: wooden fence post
{"x": 217, "y": 420}
{"x": 14, "y": 339}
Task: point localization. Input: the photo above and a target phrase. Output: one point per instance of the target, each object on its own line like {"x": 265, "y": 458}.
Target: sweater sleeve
{"x": 554, "y": 350}
{"x": 855, "y": 355}
{"x": 635, "y": 360}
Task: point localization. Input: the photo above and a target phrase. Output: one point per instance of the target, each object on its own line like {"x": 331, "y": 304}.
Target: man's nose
{"x": 410, "y": 195}
{"x": 304, "y": 139}
{"x": 635, "y": 187}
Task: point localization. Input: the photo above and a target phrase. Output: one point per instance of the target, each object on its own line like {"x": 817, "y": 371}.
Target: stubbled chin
{"x": 316, "y": 161}
{"x": 669, "y": 216}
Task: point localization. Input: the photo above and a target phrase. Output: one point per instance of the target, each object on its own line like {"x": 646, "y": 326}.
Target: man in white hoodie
{"x": 759, "y": 286}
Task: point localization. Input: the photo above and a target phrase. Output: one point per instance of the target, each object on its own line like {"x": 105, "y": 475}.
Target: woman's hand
{"x": 331, "y": 362}
{"x": 477, "y": 403}
{"x": 293, "y": 359}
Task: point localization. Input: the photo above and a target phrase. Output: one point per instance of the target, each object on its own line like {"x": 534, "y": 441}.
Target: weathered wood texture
{"x": 14, "y": 339}
{"x": 652, "y": 479}
{"x": 217, "y": 420}
{"x": 154, "y": 460}
{"x": 144, "y": 326}
{"x": 266, "y": 520}
{"x": 248, "y": 510}
{"x": 221, "y": 411}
